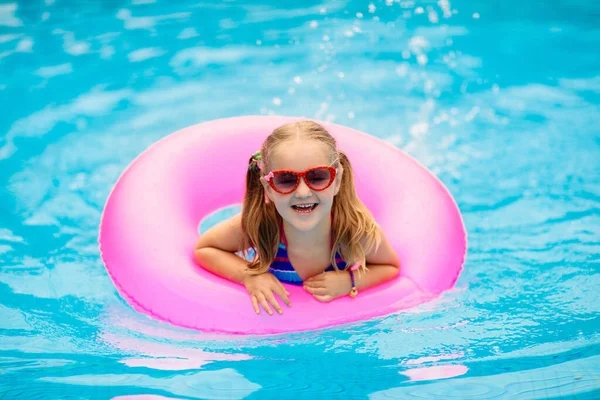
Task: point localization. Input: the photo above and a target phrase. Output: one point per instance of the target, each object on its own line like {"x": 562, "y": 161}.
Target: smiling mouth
{"x": 305, "y": 208}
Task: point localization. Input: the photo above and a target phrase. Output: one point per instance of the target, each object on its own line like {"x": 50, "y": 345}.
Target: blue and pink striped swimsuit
{"x": 283, "y": 269}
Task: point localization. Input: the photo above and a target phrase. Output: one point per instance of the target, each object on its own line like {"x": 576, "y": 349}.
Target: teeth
{"x": 304, "y": 205}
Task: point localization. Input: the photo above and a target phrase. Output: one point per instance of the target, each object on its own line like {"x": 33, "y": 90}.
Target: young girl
{"x": 303, "y": 219}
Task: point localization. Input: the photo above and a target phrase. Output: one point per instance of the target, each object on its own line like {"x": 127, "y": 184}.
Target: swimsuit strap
{"x": 283, "y": 238}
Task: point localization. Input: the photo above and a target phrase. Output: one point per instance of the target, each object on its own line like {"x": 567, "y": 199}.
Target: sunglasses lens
{"x": 285, "y": 181}
{"x": 319, "y": 178}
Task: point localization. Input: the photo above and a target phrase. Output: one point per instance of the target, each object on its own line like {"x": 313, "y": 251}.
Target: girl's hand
{"x": 329, "y": 285}
{"x": 261, "y": 288}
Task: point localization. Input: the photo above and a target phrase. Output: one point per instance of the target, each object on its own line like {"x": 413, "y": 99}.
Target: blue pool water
{"x": 501, "y": 99}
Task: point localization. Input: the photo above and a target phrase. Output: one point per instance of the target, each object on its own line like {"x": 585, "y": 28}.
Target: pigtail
{"x": 259, "y": 220}
{"x": 353, "y": 225}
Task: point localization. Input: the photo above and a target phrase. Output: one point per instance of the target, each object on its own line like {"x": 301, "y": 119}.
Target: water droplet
{"x": 419, "y": 129}
{"x": 429, "y": 85}
{"x": 433, "y": 17}
{"x": 472, "y": 114}
{"x": 402, "y": 69}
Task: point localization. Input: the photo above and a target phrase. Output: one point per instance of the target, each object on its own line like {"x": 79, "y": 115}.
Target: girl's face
{"x": 299, "y": 156}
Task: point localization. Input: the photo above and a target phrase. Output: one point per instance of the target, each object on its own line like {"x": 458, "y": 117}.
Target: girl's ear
{"x": 338, "y": 179}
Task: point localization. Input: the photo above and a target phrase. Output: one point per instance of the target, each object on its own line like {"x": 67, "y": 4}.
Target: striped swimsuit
{"x": 283, "y": 269}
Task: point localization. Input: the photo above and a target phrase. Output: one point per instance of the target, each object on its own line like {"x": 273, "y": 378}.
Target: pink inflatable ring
{"x": 150, "y": 225}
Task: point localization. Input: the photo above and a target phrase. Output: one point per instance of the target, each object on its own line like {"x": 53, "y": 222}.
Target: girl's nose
{"x": 302, "y": 190}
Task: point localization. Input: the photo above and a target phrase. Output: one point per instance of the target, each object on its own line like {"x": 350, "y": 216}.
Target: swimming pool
{"x": 500, "y": 99}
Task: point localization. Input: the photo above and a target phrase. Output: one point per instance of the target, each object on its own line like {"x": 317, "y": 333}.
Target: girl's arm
{"x": 383, "y": 265}
{"x": 215, "y": 250}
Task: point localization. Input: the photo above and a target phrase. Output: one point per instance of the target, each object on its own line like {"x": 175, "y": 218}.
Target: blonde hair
{"x": 353, "y": 227}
